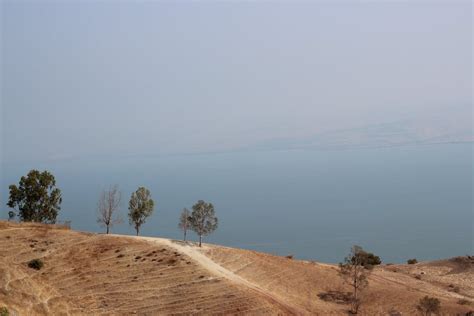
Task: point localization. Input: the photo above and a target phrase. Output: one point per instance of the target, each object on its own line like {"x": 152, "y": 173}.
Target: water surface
{"x": 399, "y": 202}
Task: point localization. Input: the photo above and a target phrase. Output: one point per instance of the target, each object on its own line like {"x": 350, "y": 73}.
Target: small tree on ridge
{"x": 184, "y": 221}
{"x": 355, "y": 274}
{"x": 36, "y": 198}
{"x": 108, "y": 207}
{"x": 203, "y": 220}
{"x": 140, "y": 207}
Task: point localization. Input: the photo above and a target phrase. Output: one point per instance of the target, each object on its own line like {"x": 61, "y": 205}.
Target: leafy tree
{"x": 11, "y": 215}
{"x": 108, "y": 207}
{"x": 428, "y": 306}
{"x": 36, "y": 199}
{"x": 412, "y": 261}
{"x": 367, "y": 259}
{"x": 140, "y": 207}
{"x": 184, "y": 221}
{"x": 355, "y": 274}
{"x": 203, "y": 220}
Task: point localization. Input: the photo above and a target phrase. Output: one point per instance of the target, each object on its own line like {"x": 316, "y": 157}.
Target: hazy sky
{"x": 96, "y": 78}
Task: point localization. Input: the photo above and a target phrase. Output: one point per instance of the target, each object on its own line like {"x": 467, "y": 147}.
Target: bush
{"x": 412, "y": 261}
{"x": 4, "y": 311}
{"x": 36, "y": 264}
{"x": 454, "y": 288}
{"x": 428, "y": 305}
{"x": 463, "y": 301}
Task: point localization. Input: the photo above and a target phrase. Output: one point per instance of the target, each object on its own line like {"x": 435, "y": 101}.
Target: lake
{"x": 399, "y": 202}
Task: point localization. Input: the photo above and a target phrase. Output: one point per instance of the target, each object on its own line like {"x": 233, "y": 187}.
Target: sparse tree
{"x": 11, "y": 215}
{"x": 355, "y": 274}
{"x": 203, "y": 220}
{"x": 108, "y": 207}
{"x": 184, "y": 221}
{"x": 428, "y": 306}
{"x": 140, "y": 207}
{"x": 36, "y": 199}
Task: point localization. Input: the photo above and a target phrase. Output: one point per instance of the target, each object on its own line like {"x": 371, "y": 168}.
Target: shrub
{"x": 412, "y": 261}
{"x": 394, "y": 312}
{"x": 36, "y": 264}
{"x": 463, "y": 301}
{"x": 289, "y": 257}
{"x": 428, "y": 305}
{"x": 336, "y": 297}
{"x": 4, "y": 311}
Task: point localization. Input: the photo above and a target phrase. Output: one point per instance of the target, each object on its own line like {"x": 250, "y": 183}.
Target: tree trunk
{"x": 185, "y": 235}
{"x": 107, "y": 229}
{"x": 137, "y": 228}
{"x": 200, "y": 240}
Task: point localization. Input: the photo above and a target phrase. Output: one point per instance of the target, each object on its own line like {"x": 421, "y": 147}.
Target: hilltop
{"x": 93, "y": 274}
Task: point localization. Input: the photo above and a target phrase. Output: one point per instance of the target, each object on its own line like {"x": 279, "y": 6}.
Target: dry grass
{"x": 98, "y": 274}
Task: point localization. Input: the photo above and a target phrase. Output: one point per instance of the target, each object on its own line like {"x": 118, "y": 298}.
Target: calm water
{"x": 398, "y": 202}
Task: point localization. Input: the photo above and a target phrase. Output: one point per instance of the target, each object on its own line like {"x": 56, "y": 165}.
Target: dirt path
{"x": 194, "y": 253}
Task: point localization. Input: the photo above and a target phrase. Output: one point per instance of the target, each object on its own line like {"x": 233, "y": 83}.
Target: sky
{"x": 131, "y": 78}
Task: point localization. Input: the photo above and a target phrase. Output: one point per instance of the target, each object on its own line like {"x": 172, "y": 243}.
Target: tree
{"x": 184, "y": 221}
{"x": 108, "y": 207}
{"x": 428, "y": 306}
{"x": 203, "y": 220}
{"x": 11, "y": 215}
{"x": 367, "y": 259}
{"x": 140, "y": 207}
{"x": 36, "y": 199}
{"x": 355, "y": 274}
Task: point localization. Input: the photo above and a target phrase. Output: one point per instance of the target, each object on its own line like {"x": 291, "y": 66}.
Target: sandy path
{"x": 195, "y": 254}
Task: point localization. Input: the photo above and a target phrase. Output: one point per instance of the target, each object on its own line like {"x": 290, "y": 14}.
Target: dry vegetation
{"x": 108, "y": 274}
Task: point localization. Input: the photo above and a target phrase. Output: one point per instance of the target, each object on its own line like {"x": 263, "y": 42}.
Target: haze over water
{"x": 311, "y": 126}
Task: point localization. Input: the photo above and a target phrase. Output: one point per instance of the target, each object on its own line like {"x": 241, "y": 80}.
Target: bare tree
{"x": 203, "y": 220}
{"x": 355, "y": 274}
{"x": 108, "y": 207}
{"x": 184, "y": 221}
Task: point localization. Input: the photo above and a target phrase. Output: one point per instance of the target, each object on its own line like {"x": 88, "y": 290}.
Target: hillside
{"x": 95, "y": 274}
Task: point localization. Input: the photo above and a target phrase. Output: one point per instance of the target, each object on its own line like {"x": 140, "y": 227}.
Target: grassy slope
{"x": 98, "y": 274}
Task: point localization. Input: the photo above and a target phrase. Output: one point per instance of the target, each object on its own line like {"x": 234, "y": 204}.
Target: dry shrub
{"x": 338, "y": 297}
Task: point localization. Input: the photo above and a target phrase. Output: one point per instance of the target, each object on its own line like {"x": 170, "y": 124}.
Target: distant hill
{"x": 94, "y": 274}
{"x": 390, "y": 134}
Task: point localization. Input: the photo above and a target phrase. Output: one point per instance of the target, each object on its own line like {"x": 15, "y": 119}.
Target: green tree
{"x": 36, "y": 198}
{"x": 367, "y": 259}
{"x": 203, "y": 220}
{"x": 355, "y": 274}
{"x": 140, "y": 207}
{"x": 184, "y": 221}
